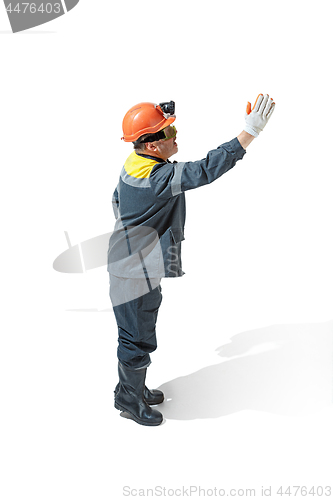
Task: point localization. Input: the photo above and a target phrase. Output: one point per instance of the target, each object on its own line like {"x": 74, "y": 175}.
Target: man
{"x": 149, "y": 205}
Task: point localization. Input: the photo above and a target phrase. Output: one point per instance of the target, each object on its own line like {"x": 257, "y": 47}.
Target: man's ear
{"x": 151, "y": 146}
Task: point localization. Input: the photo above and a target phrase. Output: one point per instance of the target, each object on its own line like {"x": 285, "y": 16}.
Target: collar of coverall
{"x": 151, "y": 157}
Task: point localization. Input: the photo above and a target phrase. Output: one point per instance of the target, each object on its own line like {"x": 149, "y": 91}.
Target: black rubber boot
{"x": 130, "y": 399}
{"x": 154, "y": 397}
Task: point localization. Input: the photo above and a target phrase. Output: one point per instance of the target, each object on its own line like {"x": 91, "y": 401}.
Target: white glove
{"x": 261, "y": 112}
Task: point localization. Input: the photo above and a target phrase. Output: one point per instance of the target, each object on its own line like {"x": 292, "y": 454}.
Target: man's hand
{"x": 257, "y": 117}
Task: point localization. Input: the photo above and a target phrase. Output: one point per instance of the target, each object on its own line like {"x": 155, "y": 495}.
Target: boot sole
{"x": 137, "y": 420}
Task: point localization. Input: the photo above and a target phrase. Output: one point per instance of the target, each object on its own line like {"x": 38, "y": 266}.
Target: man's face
{"x": 165, "y": 148}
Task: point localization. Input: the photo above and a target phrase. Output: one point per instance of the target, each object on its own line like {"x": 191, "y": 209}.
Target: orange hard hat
{"x": 145, "y": 118}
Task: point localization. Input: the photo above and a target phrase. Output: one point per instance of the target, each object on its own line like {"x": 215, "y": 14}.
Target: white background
{"x": 245, "y": 337}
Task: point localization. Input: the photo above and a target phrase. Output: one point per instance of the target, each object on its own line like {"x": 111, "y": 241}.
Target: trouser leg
{"x": 136, "y": 319}
{"x": 135, "y": 308}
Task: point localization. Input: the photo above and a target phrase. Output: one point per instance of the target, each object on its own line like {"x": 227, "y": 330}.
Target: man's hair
{"x": 140, "y": 146}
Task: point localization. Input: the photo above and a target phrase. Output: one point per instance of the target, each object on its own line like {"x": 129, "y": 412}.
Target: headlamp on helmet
{"x": 167, "y": 108}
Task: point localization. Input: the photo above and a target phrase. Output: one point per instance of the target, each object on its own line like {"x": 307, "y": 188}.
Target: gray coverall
{"x": 149, "y": 205}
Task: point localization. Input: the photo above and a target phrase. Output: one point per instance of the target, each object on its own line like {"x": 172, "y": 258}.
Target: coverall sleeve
{"x": 115, "y": 203}
{"x": 171, "y": 179}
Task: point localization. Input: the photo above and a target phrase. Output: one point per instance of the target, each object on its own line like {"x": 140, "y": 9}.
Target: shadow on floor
{"x": 281, "y": 369}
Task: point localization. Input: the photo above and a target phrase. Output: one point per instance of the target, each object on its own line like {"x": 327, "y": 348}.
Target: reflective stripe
{"x": 134, "y": 181}
{"x": 177, "y": 179}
